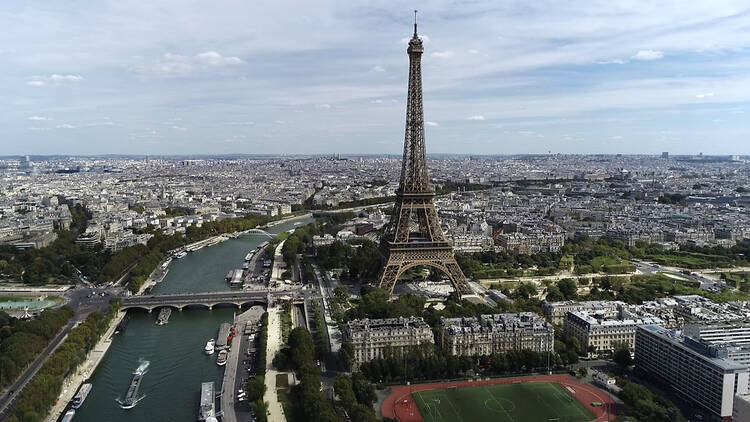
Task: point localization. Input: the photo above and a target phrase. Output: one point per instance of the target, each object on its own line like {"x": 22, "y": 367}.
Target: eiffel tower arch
{"x": 413, "y": 236}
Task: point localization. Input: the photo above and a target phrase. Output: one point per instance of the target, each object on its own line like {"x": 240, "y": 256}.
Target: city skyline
{"x": 508, "y": 79}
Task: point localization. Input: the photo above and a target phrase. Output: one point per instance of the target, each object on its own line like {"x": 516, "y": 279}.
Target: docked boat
{"x": 180, "y": 255}
{"x": 221, "y": 359}
{"x": 122, "y": 325}
{"x": 131, "y": 396}
{"x": 207, "y": 410}
{"x": 249, "y": 256}
{"x": 80, "y": 396}
{"x": 163, "y": 317}
{"x": 209, "y": 349}
{"x": 68, "y": 415}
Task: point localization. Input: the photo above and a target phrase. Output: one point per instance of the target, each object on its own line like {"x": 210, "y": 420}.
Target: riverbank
{"x": 84, "y": 371}
{"x": 275, "y": 409}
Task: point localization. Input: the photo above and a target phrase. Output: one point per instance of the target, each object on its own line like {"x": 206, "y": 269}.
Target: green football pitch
{"x": 523, "y": 402}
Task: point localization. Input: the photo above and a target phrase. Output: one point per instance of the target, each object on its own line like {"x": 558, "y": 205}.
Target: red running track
{"x": 400, "y": 404}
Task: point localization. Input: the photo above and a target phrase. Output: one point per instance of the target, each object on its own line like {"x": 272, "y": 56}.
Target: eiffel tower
{"x": 414, "y": 236}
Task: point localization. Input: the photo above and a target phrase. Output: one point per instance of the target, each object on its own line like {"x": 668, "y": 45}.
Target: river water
{"x": 175, "y": 351}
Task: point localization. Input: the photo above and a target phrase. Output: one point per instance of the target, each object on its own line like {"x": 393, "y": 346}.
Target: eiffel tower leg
{"x": 390, "y": 274}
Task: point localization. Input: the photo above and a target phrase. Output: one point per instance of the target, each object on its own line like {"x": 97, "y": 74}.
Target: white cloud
{"x": 378, "y": 68}
{"x": 95, "y": 124}
{"x": 706, "y": 95}
{"x": 247, "y": 123}
{"x": 179, "y": 128}
{"x": 40, "y": 129}
{"x": 477, "y": 117}
{"x": 53, "y": 78}
{"x": 279, "y": 122}
{"x": 323, "y": 106}
{"x": 472, "y": 51}
{"x": 648, "y": 55}
{"x": 65, "y": 126}
{"x": 378, "y": 101}
{"x": 175, "y": 65}
{"x": 65, "y": 78}
{"x": 448, "y": 54}
{"x": 39, "y": 118}
{"x": 432, "y": 123}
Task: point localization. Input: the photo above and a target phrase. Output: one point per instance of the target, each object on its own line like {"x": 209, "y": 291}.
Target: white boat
{"x": 180, "y": 255}
{"x": 80, "y": 397}
{"x": 69, "y": 415}
{"x": 209, "y": 349}
{"x": 221, "y": 359}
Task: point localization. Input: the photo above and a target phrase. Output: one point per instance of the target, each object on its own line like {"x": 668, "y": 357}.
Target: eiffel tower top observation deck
{"x": 414, "y": 236}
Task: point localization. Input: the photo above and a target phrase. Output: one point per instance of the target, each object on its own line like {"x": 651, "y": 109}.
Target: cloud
{"x": 472, "y": 51}
{"x": 247, "y": 123}
{"x": 706, "y": 95}
{"x": 279, "y": 122}
{"x": 53, "y": 78}
{"x": 323, "y": 106}
{"x": 378, "y": 68}
{"x": 175, "y": 65}
{"x": 477, "y": 117}
{"x": 95, "y": 124}
{"x": 432, "y": 123}
{"x": 648, "y": 55}
{"x": 179, "y": 128}
{"x": 65, "y": 126}
{"x": 378, "y": 101}
{"x": 39, "y": 118}
{"x": 448, "y": 54}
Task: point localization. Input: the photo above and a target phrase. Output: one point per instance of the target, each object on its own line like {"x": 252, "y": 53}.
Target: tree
{"x": 568, "y": 288}
{"x": 526, "y": 290}
{"x": 554, "y": 294}
{"x": 622, "y": 356}
{"x": 347, "y": 354}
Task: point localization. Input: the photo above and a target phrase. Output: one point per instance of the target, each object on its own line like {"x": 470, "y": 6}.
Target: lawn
{"x": 531, "y": 401}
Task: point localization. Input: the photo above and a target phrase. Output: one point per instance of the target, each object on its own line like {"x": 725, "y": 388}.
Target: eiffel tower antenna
{"x": 413, "y": 236}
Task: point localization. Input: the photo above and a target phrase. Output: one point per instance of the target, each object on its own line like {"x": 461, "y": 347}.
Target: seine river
{"x": 177, "y": 365}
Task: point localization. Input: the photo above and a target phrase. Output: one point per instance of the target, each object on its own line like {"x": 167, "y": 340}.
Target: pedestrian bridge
{"x": 205, "y": 300}
{"x": 260, "y": 231}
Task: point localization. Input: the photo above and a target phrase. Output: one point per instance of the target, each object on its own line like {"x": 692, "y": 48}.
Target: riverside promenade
{"x": 275, "y": 410}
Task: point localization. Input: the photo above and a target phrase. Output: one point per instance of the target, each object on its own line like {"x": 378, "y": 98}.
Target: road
{"x": 233, "y": 379}
{"x": 83, "y": 301}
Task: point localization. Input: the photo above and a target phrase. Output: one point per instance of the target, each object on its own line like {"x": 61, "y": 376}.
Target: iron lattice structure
{"x": 414, "y": 236}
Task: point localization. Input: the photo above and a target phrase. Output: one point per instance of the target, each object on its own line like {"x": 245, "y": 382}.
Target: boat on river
{"x": 131, "y": 396}
{"x": 68, "y": 415}
{"x": 80, "y": 397}
{"x": 221, "y": 360}
{"x": 207, "y": 409}
{"x": 163, "y": 317}
{"x": 209, "y": 349}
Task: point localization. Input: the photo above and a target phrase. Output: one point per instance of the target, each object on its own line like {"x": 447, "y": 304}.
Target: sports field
{"x": 520, "y": 402}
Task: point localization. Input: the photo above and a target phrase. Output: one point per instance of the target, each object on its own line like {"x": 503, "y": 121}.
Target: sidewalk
{"x": 275, "y": 410}
{"x": 73, "y": 381}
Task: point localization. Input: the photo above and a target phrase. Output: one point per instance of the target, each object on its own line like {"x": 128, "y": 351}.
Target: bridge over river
{"x": 207, "y": 300}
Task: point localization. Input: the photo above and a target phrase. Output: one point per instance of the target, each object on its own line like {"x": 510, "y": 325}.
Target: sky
{"x": 321, "y": 77}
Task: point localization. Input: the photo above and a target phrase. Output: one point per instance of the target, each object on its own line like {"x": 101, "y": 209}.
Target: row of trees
{"x": 256, "y": 386}
{"x": 41, "y": 394}
{"x": 644, "y": 405}
{"x": 357, "y": 396}
{"x": 307, "y": 394}
{"x": 22, "y": 341}
{"x": 427, "y": 362}
{"x": 359, "y": 258}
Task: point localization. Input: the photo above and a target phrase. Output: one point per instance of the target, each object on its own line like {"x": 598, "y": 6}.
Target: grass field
{"x": 532, "y": 401}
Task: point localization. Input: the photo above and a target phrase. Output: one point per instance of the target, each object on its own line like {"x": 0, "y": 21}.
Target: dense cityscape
{"x": 341, "y": 287}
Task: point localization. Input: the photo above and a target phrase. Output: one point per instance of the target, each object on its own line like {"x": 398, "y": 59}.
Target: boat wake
{"x": 131, "y": 397}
